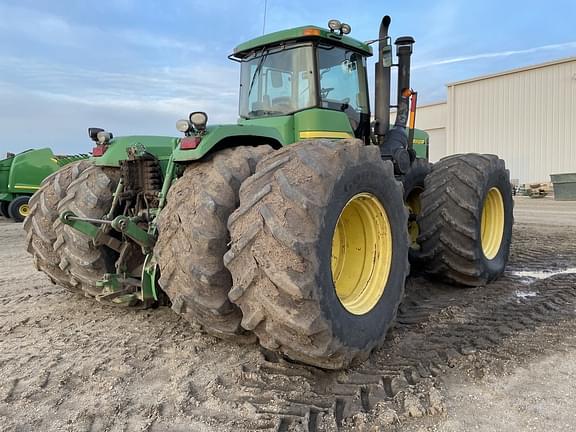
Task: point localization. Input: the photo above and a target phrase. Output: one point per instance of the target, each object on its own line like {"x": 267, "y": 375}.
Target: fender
{"x": 159, "y": 146}
{"x": 278, "y": 132}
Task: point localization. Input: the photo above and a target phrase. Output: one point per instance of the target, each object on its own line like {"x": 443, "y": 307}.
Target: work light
{"x": 103, "y": 137}
{"x": 199, "y": 120}
{"x": 183, "y": 126}
{"x": 334, "y": 24}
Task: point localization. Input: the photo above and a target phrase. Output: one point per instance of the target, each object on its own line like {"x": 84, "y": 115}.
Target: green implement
{"x": 21, "y": 176}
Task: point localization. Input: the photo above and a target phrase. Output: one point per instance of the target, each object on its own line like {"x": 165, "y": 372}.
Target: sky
{"x": 137, "y": 66}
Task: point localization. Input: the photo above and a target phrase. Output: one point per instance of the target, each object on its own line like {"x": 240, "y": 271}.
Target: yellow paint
{"x": 361, "y": 253}
{"x": 418, "y": 141}
{"x": 492, "y": 225}
{"x": 26, "y": 187}
{"x": 24, "y": 210}
{"x": 414, "y": 205}
{"x": 324, "y": 134}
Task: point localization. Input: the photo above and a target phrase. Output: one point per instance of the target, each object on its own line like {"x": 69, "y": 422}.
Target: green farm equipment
{"x": 21, "y": 175}
{"x": 294, "y": 226}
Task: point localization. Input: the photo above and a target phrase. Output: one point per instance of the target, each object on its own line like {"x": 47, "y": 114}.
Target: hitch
{"x": 122, "y": 224}
{"x": 118, "y": 288}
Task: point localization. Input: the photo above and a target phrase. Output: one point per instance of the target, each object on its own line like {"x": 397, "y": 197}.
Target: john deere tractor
{"x": 293, "y": 227}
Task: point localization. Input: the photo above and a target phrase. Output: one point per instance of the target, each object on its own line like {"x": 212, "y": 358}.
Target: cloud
{"x": 482, "y": 56}
{"x": 54, "y": 30}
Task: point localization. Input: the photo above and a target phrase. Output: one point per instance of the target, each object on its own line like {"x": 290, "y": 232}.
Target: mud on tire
{"x": 40, "y": 233}
{"x": 280, "y": 257}
{"x": 90, "y": 195}
{"x": 193, "y": 238}
{"x": 451, "y": 219}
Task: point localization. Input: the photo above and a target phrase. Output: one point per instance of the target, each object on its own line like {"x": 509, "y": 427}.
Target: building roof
{"x": 513, "y": 71}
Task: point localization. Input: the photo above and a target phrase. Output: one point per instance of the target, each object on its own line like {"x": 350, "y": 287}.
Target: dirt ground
{"x": 495, "y": 358}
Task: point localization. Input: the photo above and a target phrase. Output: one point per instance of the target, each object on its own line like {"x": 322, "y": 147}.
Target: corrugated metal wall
{"x": 527, "y": 117}
{"x": 432, "y": 119}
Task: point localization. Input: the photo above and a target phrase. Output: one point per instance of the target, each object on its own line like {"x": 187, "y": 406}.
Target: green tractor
{"x": 21, "y": 175}
{"x": 293, "y": 227}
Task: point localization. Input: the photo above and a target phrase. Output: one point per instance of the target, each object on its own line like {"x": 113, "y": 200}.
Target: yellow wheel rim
{"x": 24, "y": 210}
{"x": 492, "y": 225}
{"x": 361, "y": 253}
{"x": 414, "y": 208}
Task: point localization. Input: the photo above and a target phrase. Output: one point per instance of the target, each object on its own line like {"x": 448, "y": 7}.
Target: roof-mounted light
{"x": 345, "y": 28}
{"x": 334, "y": 25}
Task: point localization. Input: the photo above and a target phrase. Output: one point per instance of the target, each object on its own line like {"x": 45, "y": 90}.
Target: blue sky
{"x": 136, "y": 66}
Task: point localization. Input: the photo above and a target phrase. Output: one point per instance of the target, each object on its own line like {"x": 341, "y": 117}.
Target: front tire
{"x": 319, "y": 252}
{"x": 467, "y": 219}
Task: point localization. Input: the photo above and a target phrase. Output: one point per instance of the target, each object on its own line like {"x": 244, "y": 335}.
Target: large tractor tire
{"x": 39, "y": 225}
{"x": 193, "y": 238}
{"x": 19, "y": 209}
{"x": 466, "y": 220}
{"x": 319, "y": 252}
{"x": 414, "y": 185}
{"x": 90, "y": 195}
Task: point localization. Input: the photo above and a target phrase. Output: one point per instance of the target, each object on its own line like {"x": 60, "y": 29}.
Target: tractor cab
{"x": 306, "y": 68}
{"x": 318, "y": 76}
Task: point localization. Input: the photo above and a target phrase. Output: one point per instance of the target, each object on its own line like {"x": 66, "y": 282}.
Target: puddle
{"x": 542, "y": 274}
{"x": 525, "y": 294}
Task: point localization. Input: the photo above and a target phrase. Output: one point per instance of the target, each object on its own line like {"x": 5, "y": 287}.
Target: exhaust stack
{"x": 382, "y": 84}
{"x": 404, "y": 52}
{"x": 393, "y": 142}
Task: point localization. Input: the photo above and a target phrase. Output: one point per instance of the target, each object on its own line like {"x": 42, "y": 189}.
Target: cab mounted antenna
{"x": 264, "y": 19}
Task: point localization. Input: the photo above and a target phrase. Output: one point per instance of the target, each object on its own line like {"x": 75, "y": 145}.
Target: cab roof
{"x": 301, "y": 33}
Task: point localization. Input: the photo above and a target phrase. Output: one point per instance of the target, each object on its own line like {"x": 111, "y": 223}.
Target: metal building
{"x": 527, "y": 116}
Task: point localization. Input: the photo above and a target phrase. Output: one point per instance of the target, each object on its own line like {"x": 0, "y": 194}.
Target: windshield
{"x": 277, "y": 82}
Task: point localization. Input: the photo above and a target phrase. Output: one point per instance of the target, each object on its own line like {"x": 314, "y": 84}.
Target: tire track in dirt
{"x": 67, "y": 363}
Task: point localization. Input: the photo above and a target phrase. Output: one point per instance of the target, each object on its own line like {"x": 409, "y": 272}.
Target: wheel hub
{"x": 492, "y": 225}
{"x": 361, "y": 253}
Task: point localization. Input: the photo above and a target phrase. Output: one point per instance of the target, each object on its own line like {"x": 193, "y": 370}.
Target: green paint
{"x": 22, "y": 174}
{"x": 160, "y": 146}
{"x": 420, "y": 143}
{"x": 298, "y": 34}
{"x": 275, "y": 129}
{"x": 84, "y": 227}
{"x": 317, "y": 119}
{"x": 149, "y": 278}
{"x": 130, "y": 229}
